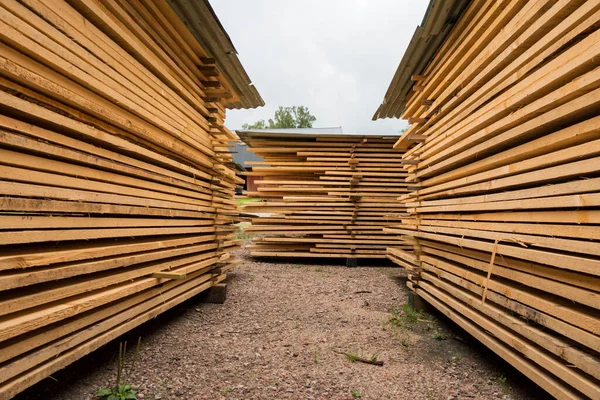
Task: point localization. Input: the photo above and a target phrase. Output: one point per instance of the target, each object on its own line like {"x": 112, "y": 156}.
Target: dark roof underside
{"x": 438, "y": 22}
{"x": 203, "y": 23}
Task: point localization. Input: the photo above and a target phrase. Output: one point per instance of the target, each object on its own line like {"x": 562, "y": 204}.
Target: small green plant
{"x": 240, "y": 234}
{"x": 410, "y": 313}
{"x": 439, "y": 336}
{"x": 374, "y": 357}
{"x": 316, "y": 357}
{"x": 356, "y": 394}
{"x": 405, "y": 316}
{"x": 121, "y": 391}
{"x": 396, "y": 318}
{"x": 242, "y": 201}
{"x": 319, "y": 269}
{"x": 352, "y": 356}
{"x": 503, "y": 382}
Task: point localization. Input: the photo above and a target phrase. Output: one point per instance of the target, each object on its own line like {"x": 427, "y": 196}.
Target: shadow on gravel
{"x": 100, "y": 359}
{"x": 457, "y": 337}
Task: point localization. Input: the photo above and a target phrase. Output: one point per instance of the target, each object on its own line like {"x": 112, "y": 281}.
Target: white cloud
{"x": 336, "y": 57}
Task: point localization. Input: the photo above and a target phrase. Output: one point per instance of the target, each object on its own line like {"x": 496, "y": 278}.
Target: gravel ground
{"x": 279, "y": 335}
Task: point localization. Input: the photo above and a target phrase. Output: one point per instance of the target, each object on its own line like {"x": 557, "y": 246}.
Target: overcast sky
{"x": 337, "y": 57}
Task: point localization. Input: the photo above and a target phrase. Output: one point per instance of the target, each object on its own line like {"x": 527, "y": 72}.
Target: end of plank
{"x": 170, "y": 275}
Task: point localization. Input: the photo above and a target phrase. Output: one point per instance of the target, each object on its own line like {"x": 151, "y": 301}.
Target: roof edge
{"x": 202, "y": 22}
{"x": 439, "y": 19}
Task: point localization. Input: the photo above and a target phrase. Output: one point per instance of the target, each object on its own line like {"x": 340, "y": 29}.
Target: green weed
{"x": 352, "y": 356}
{"x": 503, "y": 382}
{"x": 405, "y": 316}
{"x": 121, "y": 391}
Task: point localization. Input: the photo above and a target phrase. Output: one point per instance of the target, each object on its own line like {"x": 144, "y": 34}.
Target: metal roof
{"x": 439, "y": 19}
{"x": 201, "y": 20}
{"x": 288, "y": 133}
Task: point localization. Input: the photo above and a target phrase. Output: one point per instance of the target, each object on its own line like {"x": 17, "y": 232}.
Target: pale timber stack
{"x": 116, "y": 195}
{"x": 506, "y": 220}
{"x": 324, "y": 195}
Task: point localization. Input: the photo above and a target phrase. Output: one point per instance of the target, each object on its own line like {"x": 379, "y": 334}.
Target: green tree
{"x": 286, "y": 117}
{"x": 257, "y": 125}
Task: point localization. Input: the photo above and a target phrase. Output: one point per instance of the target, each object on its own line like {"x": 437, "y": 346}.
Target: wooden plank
{"x": 501, "y": 213}
{"x": 116, "y": 181}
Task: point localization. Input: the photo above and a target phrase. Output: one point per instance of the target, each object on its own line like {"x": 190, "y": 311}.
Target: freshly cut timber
{"x": 504, "y": 209}
{"x": 323, "y": 194}
{"x": 116, "y": 180}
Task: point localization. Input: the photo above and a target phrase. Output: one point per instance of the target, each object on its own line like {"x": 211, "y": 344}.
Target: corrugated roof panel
{"x": 427, "y": 39}
{"x": 202, "y": 22}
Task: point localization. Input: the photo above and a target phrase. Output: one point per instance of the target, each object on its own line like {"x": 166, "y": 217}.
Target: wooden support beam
{"x": 216, "y": 294}
{"x": 208, "y": 60}
{"x": 211, "y": 84}
{"x": 209, "y": 71}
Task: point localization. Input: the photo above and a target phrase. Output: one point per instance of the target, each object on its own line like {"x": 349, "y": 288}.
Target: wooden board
{"x": 320, "y": 190}
{"x": 504, "y": 187}
{"x": 116, "y": 180}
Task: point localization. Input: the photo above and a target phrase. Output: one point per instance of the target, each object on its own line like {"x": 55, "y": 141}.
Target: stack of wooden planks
{"x": 505, "y": 223}
{"x": 324, "y": 195}
{"x": 116, "y": 194}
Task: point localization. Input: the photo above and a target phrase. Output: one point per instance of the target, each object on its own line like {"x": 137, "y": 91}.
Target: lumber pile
{"x": 324, "y": 195}
{"x": 116, "y": 195}
{"x": 505, "y": 223}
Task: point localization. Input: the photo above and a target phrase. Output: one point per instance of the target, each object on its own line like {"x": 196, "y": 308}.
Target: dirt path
{"x": 278, "y": 336}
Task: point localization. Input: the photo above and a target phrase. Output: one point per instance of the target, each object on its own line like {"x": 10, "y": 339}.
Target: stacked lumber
{"x": 324, "y": 195}
{"x": 116, "y": 195}
{"x": 505, "y": 223}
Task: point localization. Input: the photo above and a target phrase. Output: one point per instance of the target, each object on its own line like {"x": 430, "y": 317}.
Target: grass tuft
{"x": 405, "y": 316}
{"x": 503, "y": 382}
{"x": 352, "y": 356}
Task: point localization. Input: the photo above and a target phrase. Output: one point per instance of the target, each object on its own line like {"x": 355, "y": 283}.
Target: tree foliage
{"x": 286, "y": 117}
